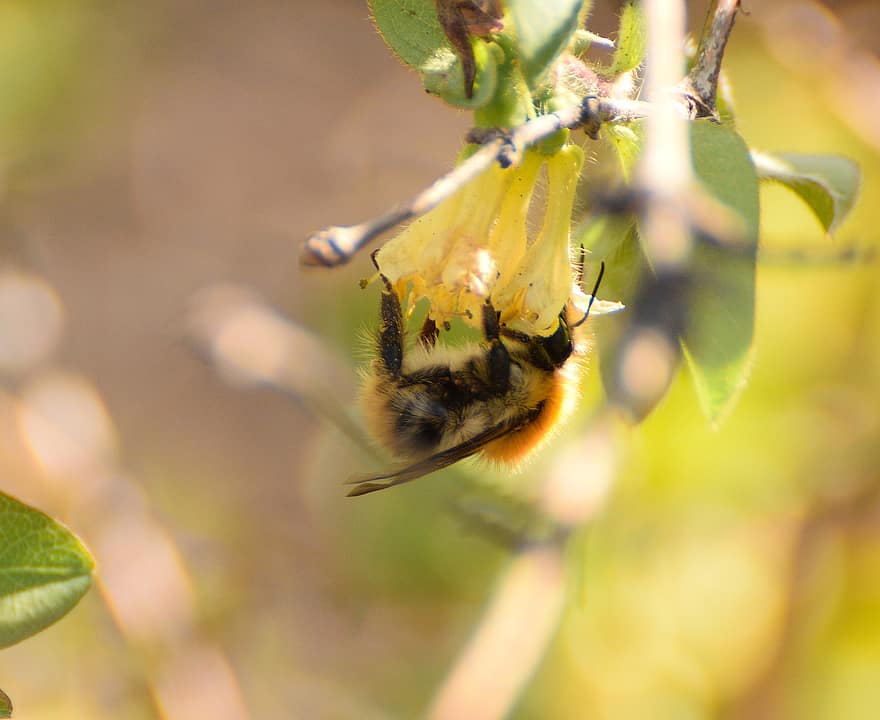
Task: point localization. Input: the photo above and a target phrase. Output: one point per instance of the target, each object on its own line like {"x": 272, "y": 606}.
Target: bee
{"x": 431, "y": 405}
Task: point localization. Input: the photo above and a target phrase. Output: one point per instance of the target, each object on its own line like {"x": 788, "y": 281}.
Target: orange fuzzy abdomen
{"x": 558, "y": 403}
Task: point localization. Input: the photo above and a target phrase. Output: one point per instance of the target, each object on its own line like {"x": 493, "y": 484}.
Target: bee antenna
{"x": 592, "y": 295}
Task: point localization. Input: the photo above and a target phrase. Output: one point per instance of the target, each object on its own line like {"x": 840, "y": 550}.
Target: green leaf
{"x": 632, "y": 40}
{"x": 602, "y": 236}
{"x": 44, "y": 571}
{"x": 721, "y": 299}
{"x": 543, "y": 30}
{"x": 443, "y": 76}
{"x": 829, "y": 184}
{"x": 414, "y": 33}
{"x": 626, "y": 140}
{"x": 5, "y": 705}
{"x": 410, "y": 28}
{"x": 625, "y": 266}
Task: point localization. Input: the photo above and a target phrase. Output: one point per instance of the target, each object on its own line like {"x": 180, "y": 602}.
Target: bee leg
{"x": 390, "y": 331}
{"x": 491, "y": 329}
{"x": 498, "y": 359}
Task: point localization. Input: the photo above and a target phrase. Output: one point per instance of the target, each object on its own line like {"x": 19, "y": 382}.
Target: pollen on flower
{"x": 477, "y": 245}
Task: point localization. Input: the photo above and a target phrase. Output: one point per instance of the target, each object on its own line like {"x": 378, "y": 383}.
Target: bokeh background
{"x": 152, "y": 151}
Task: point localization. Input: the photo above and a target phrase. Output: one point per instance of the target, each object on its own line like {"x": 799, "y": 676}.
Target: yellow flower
{"x": 476, "y": 245}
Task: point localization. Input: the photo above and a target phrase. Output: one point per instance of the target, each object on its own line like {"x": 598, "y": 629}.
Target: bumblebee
{"x": 432, "y": 405}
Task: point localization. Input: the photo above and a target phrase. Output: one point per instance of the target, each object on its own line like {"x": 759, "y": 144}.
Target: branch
{"x": 702, "y": 82}
{"x": 675, "y": 211}
{"x": 665, "y": 172}
{"x": 510, "y": 641}
{"x": 649, "y": 350}
{"x": 336, "y": 245}
{"x": 248, "y": 342}
{"x": 527, "y": 605}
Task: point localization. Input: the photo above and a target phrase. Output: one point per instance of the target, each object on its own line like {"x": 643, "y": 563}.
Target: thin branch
{"x": 675, "y": 212}
{"x": 649, "y": 350}
{"x": 665, "y": 173}
{"x": 338, "y": 244}
{"x": 510, "y": 641}
{"x": 249, "y": 342}
{"x": 702, "y": 81}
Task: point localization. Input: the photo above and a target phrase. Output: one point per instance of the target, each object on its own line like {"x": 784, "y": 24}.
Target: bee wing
{"x": 372, "y": 483}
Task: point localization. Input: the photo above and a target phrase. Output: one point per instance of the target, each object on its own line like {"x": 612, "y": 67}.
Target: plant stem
{"x": 336, "y": 245}
{"x": 702, "y": 81}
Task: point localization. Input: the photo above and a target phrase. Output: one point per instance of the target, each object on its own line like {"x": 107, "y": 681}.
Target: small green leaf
{"x": 829, "y": 184}
{"x": 443, "y": 76}
{"x": 721, "y": 300}
{"x": 627, "y": 143}
{"x": 583, "y": 40}
{"x": 602, "y": 236}
{"x": 625, "y": 266}
{"x": 543, "y": 30}
{"x": 410, "y": 28}
{"x": 44, "y": 571}
{"x": 5, "y": 705}
{"x": 632, "y": 40}
{"x": 413, "y": 31}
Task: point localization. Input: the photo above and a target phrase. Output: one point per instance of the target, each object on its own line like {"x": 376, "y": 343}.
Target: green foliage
{"x": 5, "y": 705}
{"x": 632, "y": 40}
{"x": 828, "y": 184}
{"x": 443, "y": 76}
{"x": 543, "y": 30}
{"x": 627, "y": 143}
{"x": 44, "y": 571}
{"x": 613, "y": 239}
{"x": 413, "y": 32}
{"x": 721, "y": 301}
{"x": 410, "y": 28}
{"x": 511, "y": 65}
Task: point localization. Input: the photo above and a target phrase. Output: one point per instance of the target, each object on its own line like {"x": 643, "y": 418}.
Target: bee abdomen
{"x": 420, "y": 425}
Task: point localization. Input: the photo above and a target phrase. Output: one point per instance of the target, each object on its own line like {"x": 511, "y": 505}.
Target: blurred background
{"x": 151, "y": 152}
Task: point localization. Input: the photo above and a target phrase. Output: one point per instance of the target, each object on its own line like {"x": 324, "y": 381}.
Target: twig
{"x": 522, "y": 618}
{"x": 336, "y": 245}
{"x": 649, "y": 351}
{"x": 674, "y": 210}
{"x": 510, "y": 641}
{"x": 249, "y": 342}
{"x": 665, "y": 169}
{"x": 702, "y": 81}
